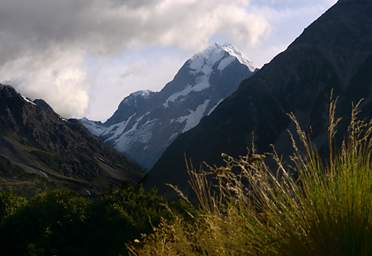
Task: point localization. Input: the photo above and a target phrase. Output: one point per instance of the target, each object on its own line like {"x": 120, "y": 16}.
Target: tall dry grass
{"x": 305, "y": 207}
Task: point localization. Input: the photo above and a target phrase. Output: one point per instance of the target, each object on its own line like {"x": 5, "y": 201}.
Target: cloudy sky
{"x": 85, "y": 56}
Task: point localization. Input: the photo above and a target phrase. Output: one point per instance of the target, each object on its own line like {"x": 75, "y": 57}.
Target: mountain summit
{"x": 334, "y": 53}
{"x": 146, "y": 122}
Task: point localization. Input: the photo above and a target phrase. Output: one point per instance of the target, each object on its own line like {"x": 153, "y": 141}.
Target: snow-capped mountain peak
{"x": 232, "y": 51}
{"x": 215, "y": 58}
{"x": 142, "y": 93}
{"x": 146, "y": 122}
{"x": 223, "y": 55}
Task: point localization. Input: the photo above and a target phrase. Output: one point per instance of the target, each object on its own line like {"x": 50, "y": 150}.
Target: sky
{"x": 84, "y": 56}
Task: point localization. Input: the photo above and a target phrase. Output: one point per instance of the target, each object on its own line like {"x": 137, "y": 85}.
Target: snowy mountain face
{"x": 146, "y": 122}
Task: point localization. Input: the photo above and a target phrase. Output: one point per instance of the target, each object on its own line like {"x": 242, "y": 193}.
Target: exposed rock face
{"x": 146, "y": 122}
{"x": 335, "y": 52}
{"x": 36, "y": 143}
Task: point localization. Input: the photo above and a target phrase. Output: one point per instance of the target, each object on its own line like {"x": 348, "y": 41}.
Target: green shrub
{"x": 64, "y": 223}
{"x": 249, "y": 207}
{"x": 50, "y": 220}
{"x": 9, "y": 204}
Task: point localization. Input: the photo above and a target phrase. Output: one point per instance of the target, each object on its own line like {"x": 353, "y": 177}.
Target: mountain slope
{"x": 146, "y": 122}
{"x": 334, "y": 52}
{"x": 36, "y": 144}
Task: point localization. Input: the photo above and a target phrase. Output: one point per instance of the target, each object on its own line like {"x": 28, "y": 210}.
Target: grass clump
{"x": 306, "y": 206}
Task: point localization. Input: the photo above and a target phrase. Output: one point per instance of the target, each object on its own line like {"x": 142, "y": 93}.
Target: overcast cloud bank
{"x": 45, "y": 44}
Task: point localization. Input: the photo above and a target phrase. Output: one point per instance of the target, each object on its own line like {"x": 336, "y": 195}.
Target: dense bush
{"x": 65, "y": 223}
{"x": 249, "y": 207}
{"x": 9, "y": 204}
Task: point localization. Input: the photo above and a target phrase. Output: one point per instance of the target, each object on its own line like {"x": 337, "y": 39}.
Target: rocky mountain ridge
{"x": 146, "y": 122}
{"x": 36, "y": 144}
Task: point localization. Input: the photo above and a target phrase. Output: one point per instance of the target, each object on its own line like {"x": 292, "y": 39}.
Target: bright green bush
{"x": 308, "y": 207}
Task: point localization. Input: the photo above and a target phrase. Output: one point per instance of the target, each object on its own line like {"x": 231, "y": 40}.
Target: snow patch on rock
{"x": 173, "y": 137}
{"x": 194, "y": 116}
{"x": 204, "y": 61}
{"x": 114, "y": 131}
{"x": 142, "y": 93}
{"x": 214, "y": 107}
{"x": 232, "y": 51}
{"x": 202, "y": 83}
{"x": 94, "y": 128}
{"x": 28, "y": 100}
{"x": 137, "y": 134}
{"x": 225, "y": 62}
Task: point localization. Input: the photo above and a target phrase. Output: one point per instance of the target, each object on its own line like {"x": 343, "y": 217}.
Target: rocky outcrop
{"x": 38, "y": 144}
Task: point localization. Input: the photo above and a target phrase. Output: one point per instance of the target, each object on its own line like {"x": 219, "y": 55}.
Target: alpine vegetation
{"x": 260, "y": 205}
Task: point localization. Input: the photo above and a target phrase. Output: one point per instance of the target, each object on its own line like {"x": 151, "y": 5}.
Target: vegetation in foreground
{"x": 313, "y": 207}
{"x": 62, "y": 222}
{"x": 255, "y": 205}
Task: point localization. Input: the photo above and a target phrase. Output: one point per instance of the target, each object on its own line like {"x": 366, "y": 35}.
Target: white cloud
{"x": 45, "y": 43}
{"x": 287, "y": 19}
{"x": 113, "y": 79}
{"x": 57, "y": 76}
{"x": 291, "y": 4}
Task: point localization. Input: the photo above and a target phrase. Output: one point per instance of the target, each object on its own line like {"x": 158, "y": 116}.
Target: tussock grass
{"x": 307, "y": 207}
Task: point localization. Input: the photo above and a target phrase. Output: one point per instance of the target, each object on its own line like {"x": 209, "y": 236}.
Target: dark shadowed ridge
{"x": 37, "y": 146}
{"x": 335, "y": 52}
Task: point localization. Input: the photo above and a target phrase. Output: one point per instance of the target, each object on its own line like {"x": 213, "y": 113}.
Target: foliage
{"x": 252, "y": 206}
{"x": 9, "y": 204}
{"x": 62, "y": 222}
